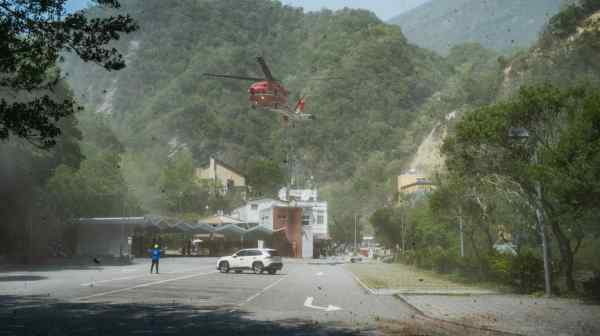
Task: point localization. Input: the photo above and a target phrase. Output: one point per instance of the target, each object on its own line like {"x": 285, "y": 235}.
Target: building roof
{"x": 423, "y": 182}
{"x": 220, "y": 220}
{"x": 223, "y": 164}
{"x": 217, "y": 225}
{"x": 264, "y": 199}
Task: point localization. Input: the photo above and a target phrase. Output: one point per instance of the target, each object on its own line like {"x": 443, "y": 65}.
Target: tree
{"x": 264, "y": 176}
{"x": 181, "y": 193}
{"x": 564, "y": 136}
{"x": 97, "y": 188}
{"x": 387, "y": 228}
{"x": 33, "y": 33}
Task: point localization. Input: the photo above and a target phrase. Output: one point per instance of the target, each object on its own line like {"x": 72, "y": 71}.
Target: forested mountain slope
{"x": 566, "y": 54}
{"x": 497, "y": 24}
{"x": 161, "y": 101}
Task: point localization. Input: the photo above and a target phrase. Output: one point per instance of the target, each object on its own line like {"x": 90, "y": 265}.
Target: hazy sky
{"x": 385, "y": 9}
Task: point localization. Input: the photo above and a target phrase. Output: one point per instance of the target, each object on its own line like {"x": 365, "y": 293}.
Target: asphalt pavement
{"x": 190, "y": 296}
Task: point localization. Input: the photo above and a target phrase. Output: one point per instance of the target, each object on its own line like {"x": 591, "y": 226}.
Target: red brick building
{"x": 287, "y": 225}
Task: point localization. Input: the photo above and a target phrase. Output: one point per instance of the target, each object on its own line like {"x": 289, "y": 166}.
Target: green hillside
{"x": 383, "y": 99}
{"x": 162, "y": 99}
{"x": 497, "y": 24}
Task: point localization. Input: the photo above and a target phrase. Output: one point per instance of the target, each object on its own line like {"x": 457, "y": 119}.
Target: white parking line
{"x": 148, "y": 284}
{"x": 273, "y": 284}
{"x": 110, "y": 280}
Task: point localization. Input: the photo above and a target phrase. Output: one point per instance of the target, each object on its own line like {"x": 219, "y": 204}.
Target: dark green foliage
{"x": 563, "y": 134}
{"x": 387, "y": 226}
{"x": 265, "y": 177}
{"x": 592, "y": 286}
{"x": 96, "y": 189}
{"x": 32, "y": 36}
{"x": 526, "y": 272}
{"x": 567, "y": 21}
{"x": 179, "y": 192}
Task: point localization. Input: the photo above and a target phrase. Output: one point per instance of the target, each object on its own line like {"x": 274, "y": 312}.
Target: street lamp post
{"x": 462, "y": 239}
{"x": 355, "y": 234}
{"x": 523, "y": 134}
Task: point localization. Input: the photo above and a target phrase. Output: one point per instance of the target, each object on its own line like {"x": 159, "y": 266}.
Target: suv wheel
{"x": 272, "y": 271}
{"x": 224, "y": 267}
{"x": 257, "y": 267}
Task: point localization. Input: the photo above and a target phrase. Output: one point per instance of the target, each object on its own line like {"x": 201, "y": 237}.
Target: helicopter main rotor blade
{"x": 253, "y": 79}
{"x": 265, "y": 68}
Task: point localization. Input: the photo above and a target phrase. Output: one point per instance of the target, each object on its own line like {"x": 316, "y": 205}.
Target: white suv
{"x": 257, "y": 260}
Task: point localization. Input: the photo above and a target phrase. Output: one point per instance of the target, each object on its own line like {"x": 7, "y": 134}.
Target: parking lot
{"x": 188, "y": 294}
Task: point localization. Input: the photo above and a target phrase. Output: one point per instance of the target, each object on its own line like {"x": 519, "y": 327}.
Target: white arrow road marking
{"x": 320, "y": 274}
{"x": 309, "y": 304}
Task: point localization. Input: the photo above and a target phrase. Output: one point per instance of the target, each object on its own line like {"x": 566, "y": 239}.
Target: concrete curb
{"x": 455, "y": 328}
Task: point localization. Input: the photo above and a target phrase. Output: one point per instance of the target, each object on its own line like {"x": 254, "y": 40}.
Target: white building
{"x": 314, "y": 211}
{"x": 254, "y": 211}
{"x": 314, "y": 215}
{"x": 307, "y": 195}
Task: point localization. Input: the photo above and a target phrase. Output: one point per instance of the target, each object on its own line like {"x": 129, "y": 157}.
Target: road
{"x": 189, "y": 296}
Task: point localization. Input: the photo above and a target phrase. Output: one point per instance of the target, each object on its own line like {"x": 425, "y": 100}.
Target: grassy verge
{"x": 400, "y": 276}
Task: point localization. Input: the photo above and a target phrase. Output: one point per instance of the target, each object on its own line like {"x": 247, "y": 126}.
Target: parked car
{"x": 257, "y": 260}
{"x": 356, "y": 259}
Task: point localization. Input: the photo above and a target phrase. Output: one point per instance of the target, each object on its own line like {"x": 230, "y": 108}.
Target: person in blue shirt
{"x": 155, "y": 255}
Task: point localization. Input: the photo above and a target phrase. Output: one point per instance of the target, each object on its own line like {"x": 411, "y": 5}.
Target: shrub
{"x": 591, "y": 287}
{"x": 443, "y": 260}
{"x": 500, "y": 266}
{"x": 436, "y": 258}
{"x": 408, "y": 257}
{"x": 526, "y": 272}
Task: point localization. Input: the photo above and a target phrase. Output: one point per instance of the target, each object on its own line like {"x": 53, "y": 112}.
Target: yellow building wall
{"x": 223, "y": 174}
{"x": 407, "y": 184}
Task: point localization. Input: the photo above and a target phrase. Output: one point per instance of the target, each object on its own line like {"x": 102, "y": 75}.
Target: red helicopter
{"x": 270, "y": 94}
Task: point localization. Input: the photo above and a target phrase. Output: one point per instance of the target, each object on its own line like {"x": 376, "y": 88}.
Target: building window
{"x": 230, "y": 184}
{"x": 253, "y": 206}
{"x": 320, "y": 219}
{"x": 305, "y": 220}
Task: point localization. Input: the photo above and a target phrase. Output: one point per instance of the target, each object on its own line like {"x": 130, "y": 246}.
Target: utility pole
{"x": 403, "y": 228}
{"x": 356, "y": 220}
{"x": 122, "y": 228}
